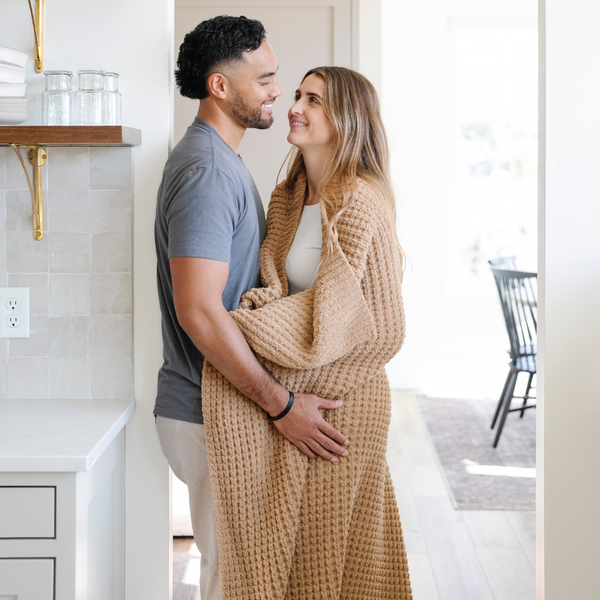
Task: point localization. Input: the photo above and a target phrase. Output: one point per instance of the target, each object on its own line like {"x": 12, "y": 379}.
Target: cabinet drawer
{"x": 27, "y": 512}
{"x": 27, "y": 578}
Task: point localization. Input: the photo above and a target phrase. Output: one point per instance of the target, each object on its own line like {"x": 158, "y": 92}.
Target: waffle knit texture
{"x": 289, "y": 527}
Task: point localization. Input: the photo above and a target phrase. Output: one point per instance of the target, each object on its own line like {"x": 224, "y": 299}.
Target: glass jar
{"x": 112, "y": 99}
{"x": 57, "y": 98}
{"x": 89, "y": 98}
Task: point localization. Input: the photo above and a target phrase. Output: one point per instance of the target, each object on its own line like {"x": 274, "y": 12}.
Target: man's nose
{"x": 276, "y": 89}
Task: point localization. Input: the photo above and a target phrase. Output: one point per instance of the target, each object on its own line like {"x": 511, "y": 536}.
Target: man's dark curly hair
{"x": 214, "y": 42}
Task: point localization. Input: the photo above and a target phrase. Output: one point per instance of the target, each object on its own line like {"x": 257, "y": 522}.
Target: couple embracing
{"x": 273, "y": 404}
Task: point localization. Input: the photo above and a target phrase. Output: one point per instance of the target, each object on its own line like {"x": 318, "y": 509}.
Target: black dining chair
{"x": 518, "y": 297}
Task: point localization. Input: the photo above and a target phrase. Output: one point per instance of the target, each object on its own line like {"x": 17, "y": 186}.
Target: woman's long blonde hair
{"x": 360, "y": 148}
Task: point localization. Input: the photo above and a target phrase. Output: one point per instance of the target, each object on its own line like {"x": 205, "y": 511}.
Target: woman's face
{"x": 309, "y": 127}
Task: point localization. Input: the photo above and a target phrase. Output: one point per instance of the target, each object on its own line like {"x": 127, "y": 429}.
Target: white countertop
{"x": 58, "y": 435}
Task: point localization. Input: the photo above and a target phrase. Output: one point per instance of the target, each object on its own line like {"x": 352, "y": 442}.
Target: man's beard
{"x": 252, "y": 119}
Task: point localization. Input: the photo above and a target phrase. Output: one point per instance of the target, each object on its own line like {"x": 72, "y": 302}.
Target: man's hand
{"x": 307, "y": 429}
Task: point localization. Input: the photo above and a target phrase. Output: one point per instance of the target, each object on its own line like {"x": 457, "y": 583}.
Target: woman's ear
{"x": 216, "y": 85}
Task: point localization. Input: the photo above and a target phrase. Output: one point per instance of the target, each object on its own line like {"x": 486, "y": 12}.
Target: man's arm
{"x": 198, "y": 285}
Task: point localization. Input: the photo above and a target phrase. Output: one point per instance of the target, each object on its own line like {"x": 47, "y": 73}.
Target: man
{"x": 209, "y": 227}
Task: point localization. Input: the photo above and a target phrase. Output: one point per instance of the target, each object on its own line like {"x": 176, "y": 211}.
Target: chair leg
{"x": 526, "y": 396}
{"x": 501, "y": 401}
{"x": 507, "y": 402}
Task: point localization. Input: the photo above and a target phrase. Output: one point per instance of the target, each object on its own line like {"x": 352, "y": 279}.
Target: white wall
{"x": 366, "y": 43}
{"x": 133, "y": 39}
{"x": 569, "y": 550}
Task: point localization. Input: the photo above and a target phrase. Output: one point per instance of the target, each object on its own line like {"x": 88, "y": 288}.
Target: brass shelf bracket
{"x": 38, "y": 32}
{"x": 37, "y": 157}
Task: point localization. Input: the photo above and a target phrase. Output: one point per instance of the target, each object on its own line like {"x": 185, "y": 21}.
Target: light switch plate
{"x": 14, "y": 312}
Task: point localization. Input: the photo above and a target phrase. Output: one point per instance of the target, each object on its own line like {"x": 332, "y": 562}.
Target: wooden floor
{"x": 454, "y": 554}
{"x": 185, "y": 545}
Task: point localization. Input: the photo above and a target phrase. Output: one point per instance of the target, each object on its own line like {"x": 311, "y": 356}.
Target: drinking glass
{"x": 89, "y": 98}
{"x": 57, "y": 98}
{"x": 112, "y": 99}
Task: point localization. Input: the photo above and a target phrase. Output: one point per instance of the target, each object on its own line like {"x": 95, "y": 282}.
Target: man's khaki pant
{"x": 184, "y": 445}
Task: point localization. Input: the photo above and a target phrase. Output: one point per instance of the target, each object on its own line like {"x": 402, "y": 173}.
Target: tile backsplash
{"x": 79, "y": 275}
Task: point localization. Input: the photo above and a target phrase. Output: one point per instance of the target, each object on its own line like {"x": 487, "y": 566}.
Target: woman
{"x": 326, "y": 322}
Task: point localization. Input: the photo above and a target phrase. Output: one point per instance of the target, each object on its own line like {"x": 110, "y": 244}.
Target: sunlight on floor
{"x": 473, "y": 467}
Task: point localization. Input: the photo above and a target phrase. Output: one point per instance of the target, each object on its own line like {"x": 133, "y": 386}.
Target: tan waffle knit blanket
{"x": 289, "y": 527}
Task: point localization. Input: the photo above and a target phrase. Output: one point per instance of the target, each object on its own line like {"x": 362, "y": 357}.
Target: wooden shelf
{"x": 107, "y": 135}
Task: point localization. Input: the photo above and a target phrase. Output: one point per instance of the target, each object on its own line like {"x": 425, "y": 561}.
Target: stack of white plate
{"x": 13, "y": 104}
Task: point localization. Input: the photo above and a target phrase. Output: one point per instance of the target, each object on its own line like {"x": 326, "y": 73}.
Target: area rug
{"x": 479, "y": 476}
{"x": 186, "y": 576}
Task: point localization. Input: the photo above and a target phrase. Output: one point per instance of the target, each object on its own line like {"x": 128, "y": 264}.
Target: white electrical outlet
{"x": 14, "y": 313}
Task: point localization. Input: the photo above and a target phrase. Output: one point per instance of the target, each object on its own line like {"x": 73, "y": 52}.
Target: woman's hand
{"x": 305, "y": 427}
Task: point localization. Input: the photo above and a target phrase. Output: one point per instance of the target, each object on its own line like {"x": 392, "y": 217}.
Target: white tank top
{"x": 304, "y": 256}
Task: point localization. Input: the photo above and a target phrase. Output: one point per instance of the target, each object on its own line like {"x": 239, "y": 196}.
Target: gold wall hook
{"x": 37, "y": 157}
{"x": 38, "y": 32}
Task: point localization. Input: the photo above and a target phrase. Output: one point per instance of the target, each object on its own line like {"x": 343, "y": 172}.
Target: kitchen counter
{"x": 58, "y": 435}
{"x": 62, "y": 492}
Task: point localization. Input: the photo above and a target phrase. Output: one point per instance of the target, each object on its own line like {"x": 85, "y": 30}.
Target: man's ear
{"x": 216, "y": 85}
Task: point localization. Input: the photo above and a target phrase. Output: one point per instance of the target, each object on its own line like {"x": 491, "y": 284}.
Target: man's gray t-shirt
{"x": 208, "y": 207}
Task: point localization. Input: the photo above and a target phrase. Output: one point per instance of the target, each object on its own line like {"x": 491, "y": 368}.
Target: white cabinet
{"x": 27, "y": 512}
{"x": 88, "y": 546}
{"x": 62, "y": 522}
{"x": 27, "y": 578}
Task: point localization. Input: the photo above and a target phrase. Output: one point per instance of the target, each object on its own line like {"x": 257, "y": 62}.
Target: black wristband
{"x": 286, "y": 410}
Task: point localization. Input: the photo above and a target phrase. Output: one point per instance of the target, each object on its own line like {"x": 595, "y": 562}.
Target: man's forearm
{"x": 219, "y": 339}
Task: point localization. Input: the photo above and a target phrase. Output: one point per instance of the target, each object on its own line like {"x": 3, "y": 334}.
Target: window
{"x": 494, "y": 163}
